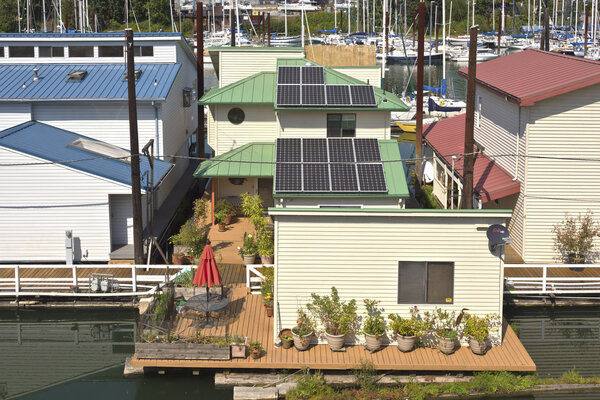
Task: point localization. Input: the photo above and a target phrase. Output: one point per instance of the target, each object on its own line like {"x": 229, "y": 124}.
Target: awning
{"x": 490, "y": 181}
{"x": 258, "y": 162}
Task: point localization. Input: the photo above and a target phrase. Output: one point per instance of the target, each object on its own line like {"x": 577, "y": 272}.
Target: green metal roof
{"x": 256, "y": 89}
{"x": 253, "y": 48}
{"x": 394, "y": 177}
{"x": 253, "y": 160}
{"x": 261, "y": 89}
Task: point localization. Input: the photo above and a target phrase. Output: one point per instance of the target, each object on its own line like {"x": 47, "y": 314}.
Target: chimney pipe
{"x": 35, "y": 75}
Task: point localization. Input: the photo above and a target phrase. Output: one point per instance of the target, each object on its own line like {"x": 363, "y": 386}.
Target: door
{"x": 265, "y": 191}
{"x": 121, "y": 220}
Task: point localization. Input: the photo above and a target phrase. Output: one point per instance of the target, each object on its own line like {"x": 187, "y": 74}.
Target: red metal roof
{"x": 490, "y": 181}
{"x": 533, "y": 75}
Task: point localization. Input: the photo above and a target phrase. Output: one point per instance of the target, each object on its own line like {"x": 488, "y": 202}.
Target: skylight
{"x": 102, "y": 149}
{"x": 77, "y": 75}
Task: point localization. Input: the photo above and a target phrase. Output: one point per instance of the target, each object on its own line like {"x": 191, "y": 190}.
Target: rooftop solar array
{"x": 329, "y": 165}
{"x": 305, "y": 86}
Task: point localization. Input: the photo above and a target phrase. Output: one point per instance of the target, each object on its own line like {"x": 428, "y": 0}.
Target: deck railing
{"x": 570, "y": 283}
{"x": 254, "y": 277}
{"x": 97, "y": 282}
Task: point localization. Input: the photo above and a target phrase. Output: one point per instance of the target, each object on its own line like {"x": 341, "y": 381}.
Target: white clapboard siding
{"x": 211, "y": 127}
{"x": 105, "y": 122}
{"x": 38, "y": 203}
{"x": 237, "y": 65}
{"x": 14, "y": 114}
{"x": 563, "y": 126}
{"x": 359, "y": 255}
{"x": 370, "y": 75}
{"x": 373, "y": 124}
{"x": 260, "y": 125}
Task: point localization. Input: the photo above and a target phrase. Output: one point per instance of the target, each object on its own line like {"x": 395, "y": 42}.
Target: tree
{"x": 160, "y": 12}
{"x": 8, "y": 16}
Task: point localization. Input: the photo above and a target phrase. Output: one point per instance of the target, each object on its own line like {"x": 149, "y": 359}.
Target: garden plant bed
{"x": 182, "y": 351}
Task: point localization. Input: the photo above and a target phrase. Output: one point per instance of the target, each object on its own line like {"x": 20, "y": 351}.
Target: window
{"x": 51, "y": 51}
{"x": 81, "y": 51}
{"x": 110, "y": 51}
{"x": 425, "y": 282}
{"x": 1, "y": 51}
{"x": 341, "y": 125}
{"x": 102, "y": 149}
{"x": 236, "y": 116}
{"x": 143, "y": 51}
{"x": 20, "y": 51}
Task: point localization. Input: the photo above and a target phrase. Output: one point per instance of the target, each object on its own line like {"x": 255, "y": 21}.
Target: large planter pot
{"x": 227, "y": 219}
{"x": 269, "y": 311}
{"x": 478, "y": 348}
{"x": 249, "y": 259}
{"x": 406, "y": 343}
{"x": 301, "y": 342}
{"x": 178, "y": 259}
{"x": 373, "y": 342}
{"x": 266, "y": 259}
{"x": 286, "y": 344}
{"x": 221, "y": 227}
{"x": 239, "y": 350}
{"x": 447, "y": 346}
{"x": 335, "y": 342}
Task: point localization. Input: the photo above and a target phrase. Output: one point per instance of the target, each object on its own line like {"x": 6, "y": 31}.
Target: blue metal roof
{"x": 50, "y": 143}
{"x": 102, "y": 82}
{"x": 86, "y": 35}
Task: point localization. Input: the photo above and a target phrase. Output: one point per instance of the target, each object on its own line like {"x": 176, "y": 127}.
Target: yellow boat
{"x": 407, "y": 126}
{"x": 407, "y": 137}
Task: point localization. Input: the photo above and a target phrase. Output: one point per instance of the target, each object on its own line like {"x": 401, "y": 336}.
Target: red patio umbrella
{"x": 208, "y": 273}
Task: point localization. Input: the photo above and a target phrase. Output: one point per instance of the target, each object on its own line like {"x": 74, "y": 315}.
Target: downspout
{"x": 517, "y": 146}
{"x": 156, "y": 139}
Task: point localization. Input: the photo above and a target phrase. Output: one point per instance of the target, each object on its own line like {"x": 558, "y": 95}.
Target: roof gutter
{"x": 387, "y": 212}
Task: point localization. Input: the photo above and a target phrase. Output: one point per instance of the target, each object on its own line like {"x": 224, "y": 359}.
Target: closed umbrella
{"x": 208, "y": 273}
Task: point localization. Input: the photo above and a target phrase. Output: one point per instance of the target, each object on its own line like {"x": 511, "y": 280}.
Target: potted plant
{"x": 265, "y": 247}
{"x": 574, "y": 238}
{"x": 302, "y": 331}
{"x": 178, "y": 258}
{"x": 338, "y": 317}
{"x": 255, "y": 349}
{"x": 238, "y": 346}
{"x": 180, "y": 305}
{"x": 287, "y": 340}
{"x": 266, "y": 290}
{"x": 445, "y": 326}
{"x": 477, "y": 329}
{"x": 408, "y": 330}
{"x": 220, "y": 220}
{"x": 373, "y": 325}
{"x": 248, "y": 249}
{"x": 227, "y": 207}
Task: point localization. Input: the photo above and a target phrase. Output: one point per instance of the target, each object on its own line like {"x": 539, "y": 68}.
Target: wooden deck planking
{"x": 536, "y": 272}
{"x": 250, "y": 320}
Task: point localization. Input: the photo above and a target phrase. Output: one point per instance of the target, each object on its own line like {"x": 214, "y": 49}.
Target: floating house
{"x": 76, "y": 83}
{"x": 315, "y": 144}
{"x": 536, "y": 135}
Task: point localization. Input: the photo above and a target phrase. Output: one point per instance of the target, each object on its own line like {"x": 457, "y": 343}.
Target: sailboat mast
{"x": 443, "y": 42}
{"x": 19, "y": 14}
{"x": 473, "y": 19}
{"x": 44, "y": 14}
{"x": 237, "y": 24}
{"x": 468, "y": 14}
{"x": 576, "y": 17}
{"x": 493, "y": 15}
{"x": 373, "y": 16}
{"x": 285, "y": 16}
{"x": 301, "y": 24}
{"x": 347, "y": 14}
{"x": 502, "y": 27}
{"x": 384, "y": 44}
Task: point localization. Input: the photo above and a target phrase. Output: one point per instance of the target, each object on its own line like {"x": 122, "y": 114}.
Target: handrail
{"x": 545, "y": 284}
{"x": 254, "y": 276}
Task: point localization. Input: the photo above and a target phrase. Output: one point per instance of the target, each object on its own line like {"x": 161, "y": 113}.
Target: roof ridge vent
{"x": 77, "y": 75}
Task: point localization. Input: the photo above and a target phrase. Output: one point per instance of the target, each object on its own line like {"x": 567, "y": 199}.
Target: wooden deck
{"x": 248, "y": 317}
{"x": 580, "y": 271}
{"x": 526, "y": 279}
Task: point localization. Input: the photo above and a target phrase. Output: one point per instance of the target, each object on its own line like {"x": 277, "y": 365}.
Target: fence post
{"x": 544, "y": 276}
{"x": 74, "y": 275}
{"x": 134, "y": 278}
{"x": 17, "y": 283}
{"x": 247, "y": 276}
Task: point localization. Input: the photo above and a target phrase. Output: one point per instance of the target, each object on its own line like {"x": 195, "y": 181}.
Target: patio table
{"x": 202, "y": 303}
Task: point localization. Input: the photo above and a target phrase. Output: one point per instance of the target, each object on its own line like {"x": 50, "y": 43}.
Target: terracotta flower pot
{"x": 269, "y": 311}
{"x": 178, "y": 259}
{"x": 406, "y": 343}
{"x": 301, "y": 342}
{"x": 447, "y": 346}
{"x": 335, "y": 342}
{"x": 373, "y": 342}
{"x": 255, "y": 354}
{"x": 478, "y": 348}
{"x": 227, "y": 219}
{"x": 221, "y": 227}
{"x": 266, "y": 259}
{"x": 249, "y": 259}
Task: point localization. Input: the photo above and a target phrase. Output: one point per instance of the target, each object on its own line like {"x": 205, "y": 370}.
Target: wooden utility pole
{"x": 585, "y": 32}
{"x": 200, "y": 76}
{"x": 420, "y": 62}
{"x": 499, "y": 30}
{"x": 546, "y": 30}
{"x": 136, "y": 196}
{"x": 467, "y": 192}
{"x": 269, "y": 29}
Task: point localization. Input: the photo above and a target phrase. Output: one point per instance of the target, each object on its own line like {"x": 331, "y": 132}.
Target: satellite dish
{"x": 498, "y": 235}
{"x": 428, "y": 172}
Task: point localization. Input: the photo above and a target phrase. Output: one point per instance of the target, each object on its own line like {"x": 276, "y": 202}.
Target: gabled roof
{"x": 530, "y": 76}
{"x": 260, "y": 89}
{"x": 490, "y": 181}
{"x": 259, "y": 163}
{"x": 102, "y": 82}
{"x": 52, "y": 144}
{"x": 256, "y": 89}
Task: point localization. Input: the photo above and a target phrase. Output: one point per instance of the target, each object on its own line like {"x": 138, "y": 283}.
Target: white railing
{"x": 72, "y": 285}
{"x": 254, "y": 277}
{"x": 544, "y": 284}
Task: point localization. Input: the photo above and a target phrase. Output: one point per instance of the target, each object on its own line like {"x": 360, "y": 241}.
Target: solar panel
{"x": 313, "y": 95}
{"x": 366, "y": 150}
{"x": 338, "y": 95}
{"x": 343, "y": 178}
{"x": 288, "y": 75}
{"x": 340, "y": 150}
{"x": 314, "y": 150}
{"x": 288, "y": 95}
{"x": 362, "y": 95}
{"x": 316, "y": 177}
{"x": 288, "y": 178}
{"x": 371, "y": 178}
{"x": 313, "y": 76}
{"x": 289, "y": 150}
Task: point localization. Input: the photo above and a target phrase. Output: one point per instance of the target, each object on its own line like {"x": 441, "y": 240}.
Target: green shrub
{"x": 492, "y": 382}
{"x": 366, "y": 376}
{"x": 338, "y": 317}
{"x": 310, "y": 386}
{"x": 374, "y": 323}
{"x": 572, "y": 376}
